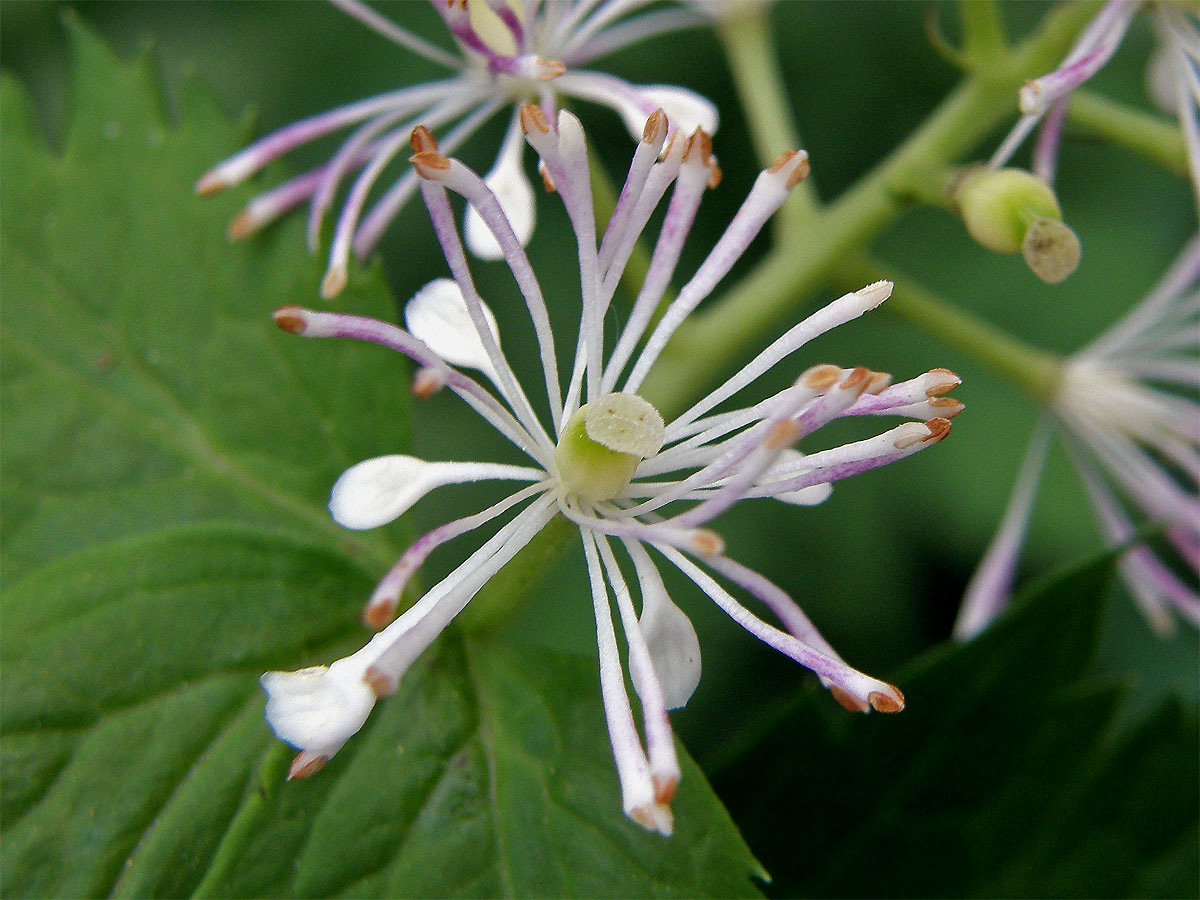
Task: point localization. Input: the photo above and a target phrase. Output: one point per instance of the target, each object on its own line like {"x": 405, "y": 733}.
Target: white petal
{"x": 318, "y": 709}
{"x": 672, "y": 642}
{"x": 812, "y": 495}
{"x": 437, "y": 315}
{"x": 377, "y": 491}
{"x": 791, "y": 462}
{"x": 514, "y": 194}
{"x": 686, "y": 110}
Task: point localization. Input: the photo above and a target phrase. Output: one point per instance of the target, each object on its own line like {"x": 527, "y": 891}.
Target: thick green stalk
{"x": 984, "y": 40}
{"x": 1148, "y": 135}
{"x": 790, "y": 274}
{"x": 759, "y": 82}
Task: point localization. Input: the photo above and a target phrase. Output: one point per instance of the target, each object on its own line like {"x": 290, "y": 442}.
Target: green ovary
{"x": 603, "y": 442}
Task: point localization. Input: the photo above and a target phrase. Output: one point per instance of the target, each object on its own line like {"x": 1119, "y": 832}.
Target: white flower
{"x": 1127, "y": 412}
{"x": 1175, "y": 81}
{"x": 508, "y": 54}
{"x": 633, "y": 483}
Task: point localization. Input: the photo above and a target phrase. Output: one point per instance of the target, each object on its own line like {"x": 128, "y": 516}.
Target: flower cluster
{"x": 1127, "y": 410}
{"x": 631, "y": 482}
{"x": 508, "y": 54}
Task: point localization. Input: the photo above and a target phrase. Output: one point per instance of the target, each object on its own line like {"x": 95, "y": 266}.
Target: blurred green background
{"x": 880, "y": 566}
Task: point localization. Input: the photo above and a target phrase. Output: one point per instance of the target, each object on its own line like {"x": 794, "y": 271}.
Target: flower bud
{"x": 1007, "y": 210}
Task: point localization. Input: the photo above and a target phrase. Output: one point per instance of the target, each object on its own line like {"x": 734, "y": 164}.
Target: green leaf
{"x": 1007, "y": 774}
{"x": 167, "y": 459}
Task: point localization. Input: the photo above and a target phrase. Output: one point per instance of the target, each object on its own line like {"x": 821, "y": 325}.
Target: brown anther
{"x": 547, "y": 180}
{"x": 656, "y": 126}
{"x": 782, "y": 434}
{"x": 642, "y": 816}
{"x": 377, "y": 614}
{"x": 333, "y": 282}
{"x": 707, "y": 543}
{"x": 879, "y": 381}
{"x": 210, "y": 184}
{"x": 952, "y": 381}
{"x": 422, "y": 140}
{"x": 430, "y": 164}
{"x": 380, "y": 683}
{"x": 799, "y": 174}
{"x": 847, "y": 700}
{"x": 947, "y": 407}
{"x": 664, "y": 788}
{"x": 242, "y": 226}
{"x": 714, "y": 173}
{"x": 549, "y": 69}
{"x": 306, "y": 765}
{"x": 533, "y": 119}
{"x": 781, "y": 160}
{"x": 699, "y": 147}
{"x": 821, "y": 378}
{"x": 290, "y": 319}
{"x": 886, "y": 703}
{"x": 938, "y": 429}
{"x": 427, "y": 382}
{"x": 858, "y": 379}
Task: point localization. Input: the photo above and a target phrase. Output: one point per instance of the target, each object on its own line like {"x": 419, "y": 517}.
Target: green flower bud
{"x": 1007, "y": 210}
{"x": 602, "y": 444}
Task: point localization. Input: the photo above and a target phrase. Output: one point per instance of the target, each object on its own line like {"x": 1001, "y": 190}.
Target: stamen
{"x": 243, "y": 225}
{"x": 306, "y": 764}
{"x": 665, "y": 788}
{"x": 947, "y": 407}
{"x": 426, "y": 382}
{"x": 549, "y": 69}
{"x": 379, "y": 611}
{"x": 430, "y": 165}
{"x": 952, "y": 381}
{"x": 656, "y": 127}
{"x": 533, "y": 119}
{"x": 847, "y": 700}
{"x": 291, "y": 319}
{"x": 799, "y": 171}
{"x": 706, "y": 542}
{"x": 822, "y": 377}
{"x": 885, "y": 703}
{"x": 334, "y": 281}
{"x": 423, "y": 141}
{"x": 782, "y": 434}
{"x": 380, "y": 682}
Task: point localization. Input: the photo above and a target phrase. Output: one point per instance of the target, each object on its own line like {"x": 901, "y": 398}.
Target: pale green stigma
{"x": 602, "y": 444}
{"x": 1008, "y": 210}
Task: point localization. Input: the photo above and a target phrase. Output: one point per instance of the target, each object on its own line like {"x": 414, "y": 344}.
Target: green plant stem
{"x": 759, "y": 82}
{"x": 1148, "y": 135}
{"x": 1031, "y": 368}
{"x": 984, "y": 40}
{"x": 790, "y": 274}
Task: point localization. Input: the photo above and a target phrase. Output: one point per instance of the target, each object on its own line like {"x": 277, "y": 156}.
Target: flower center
{"x": 602, "y": 444}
